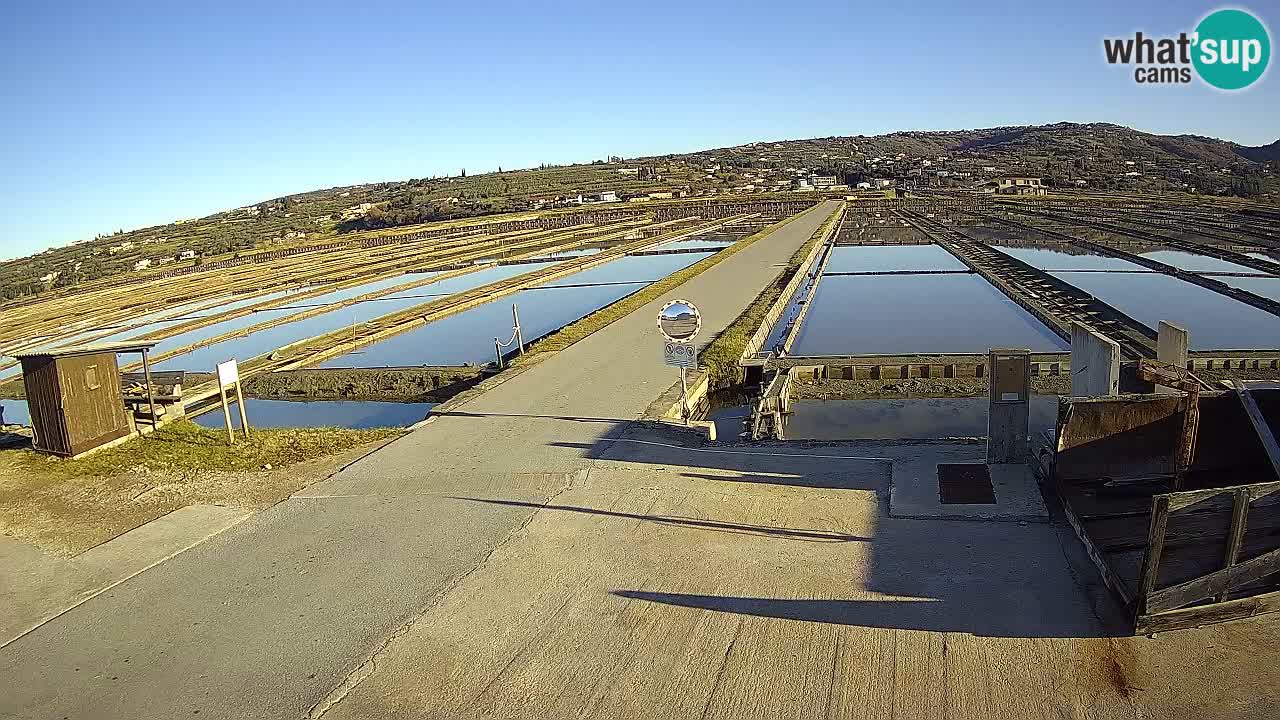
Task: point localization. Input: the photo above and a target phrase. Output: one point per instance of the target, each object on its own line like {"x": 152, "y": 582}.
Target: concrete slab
{"x": 654, "y": 591}
{"x": 913, "y": 488}
{"x": 36, "y": 587}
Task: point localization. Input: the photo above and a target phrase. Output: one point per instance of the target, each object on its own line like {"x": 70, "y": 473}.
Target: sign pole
{"x": 515, "y": 319}
{"x": 151, "y": 393}
{"x": 244, "y": 421}
{"x": 684, "y": 398}
{"x": 226, "y": 414}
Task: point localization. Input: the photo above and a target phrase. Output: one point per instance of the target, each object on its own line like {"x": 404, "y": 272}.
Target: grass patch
{"x": 720, "y": 357}
{"x": 184, "y": 445}
{"x": 573, "y": 332}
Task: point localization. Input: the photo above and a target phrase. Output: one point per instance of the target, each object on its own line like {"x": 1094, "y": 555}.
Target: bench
{"x": 167, "y": 386}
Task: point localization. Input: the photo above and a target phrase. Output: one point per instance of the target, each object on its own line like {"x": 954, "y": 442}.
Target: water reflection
{"x": 15, "y": 412}
{"x": 353, "y": 414}
{"x": 268, "y": 339}
{"x": 1215, "y": 321}
{"x": 467, "y": 337}
{"x": 1267, "y": 287}
{"x": 886, "y": 314}
{"x": 1047, "y": 259}
{"x": 882, "y": 258}
{"x": 1196, "y": 263}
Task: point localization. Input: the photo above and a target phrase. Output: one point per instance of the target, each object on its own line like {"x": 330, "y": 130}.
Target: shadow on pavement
{"x": 999, "y": 579}
{"x": 571, "y": 418}
{"x": 834, "y": 481}
{"x": 713, "y": 525}
{"x": 911, "y": 614}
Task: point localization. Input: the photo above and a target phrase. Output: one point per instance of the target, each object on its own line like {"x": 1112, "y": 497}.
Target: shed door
{"x": 91, "y": 399}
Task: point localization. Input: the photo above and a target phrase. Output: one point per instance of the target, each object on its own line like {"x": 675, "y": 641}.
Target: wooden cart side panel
{"x": 1207, "y": 593}
{"x": 1137, "y": 435}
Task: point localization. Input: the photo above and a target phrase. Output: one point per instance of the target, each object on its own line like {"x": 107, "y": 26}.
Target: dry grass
{"x": 183, "y": 446}
{"x": 68, "y": 506}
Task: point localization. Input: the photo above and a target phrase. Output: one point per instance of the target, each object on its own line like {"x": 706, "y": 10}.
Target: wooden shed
{"x": 74, "y": 396}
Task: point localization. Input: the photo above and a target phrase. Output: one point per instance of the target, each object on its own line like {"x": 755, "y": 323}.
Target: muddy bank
{"x": 810, "y": 389}
{"x": 806, "y": 388}
{"x": 415, "y": 384}
{"x": 424, "y": 384}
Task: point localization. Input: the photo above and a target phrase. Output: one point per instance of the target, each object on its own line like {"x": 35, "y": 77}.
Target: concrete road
{"x": 694, "y": 585}
{"x": 268, "y": 619}
{"x": 681, "y": 583}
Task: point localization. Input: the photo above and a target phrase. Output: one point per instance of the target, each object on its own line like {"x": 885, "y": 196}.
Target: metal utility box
{"x": 74, "y": 397}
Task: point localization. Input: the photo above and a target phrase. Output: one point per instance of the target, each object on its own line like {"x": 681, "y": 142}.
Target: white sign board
{"x": 678, "y": 354}
{"x": 228, "y": 373}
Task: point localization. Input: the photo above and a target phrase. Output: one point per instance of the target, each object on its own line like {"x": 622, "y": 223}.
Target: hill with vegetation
{"x": 1097, "y": 156}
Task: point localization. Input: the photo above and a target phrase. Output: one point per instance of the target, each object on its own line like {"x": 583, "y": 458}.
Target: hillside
{"x": 1065, "y": 140}
{"x": 1098, "y": 156}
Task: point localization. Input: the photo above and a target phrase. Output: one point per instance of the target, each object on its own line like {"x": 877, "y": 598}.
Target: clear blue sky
{"x": 122, "y": 115}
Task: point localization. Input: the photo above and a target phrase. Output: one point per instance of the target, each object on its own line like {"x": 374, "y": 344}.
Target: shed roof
{"x": 69, "y": 350}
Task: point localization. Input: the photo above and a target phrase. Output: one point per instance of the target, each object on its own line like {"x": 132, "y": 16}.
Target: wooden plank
{"x": 1210, "y": 585}
{"x": 1235, "y": 538}
{"x": 1188, "y": 527}
{"x": 1180, "y": 500}
{"x": 1155, "y": 547}
{"x": 1207, "y": 614}
{"x": 1186, "y": 563}
{"x": 1260, "y": 426}
{"x": 1187, "y": 439}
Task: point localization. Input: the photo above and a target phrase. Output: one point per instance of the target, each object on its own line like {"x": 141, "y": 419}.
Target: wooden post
{"x": 226, "y": 414}
{"x": 244, "y": 420}
{"x": 1155, "y": 548}
{"x": 1187, "y": 440}
{"x": 1235, "y": 537}
{"x": 151, "y": 393}
{"x": 515, "y": 319}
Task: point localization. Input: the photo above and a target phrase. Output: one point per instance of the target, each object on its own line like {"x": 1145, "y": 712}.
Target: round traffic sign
{"x": 679, "y": 320}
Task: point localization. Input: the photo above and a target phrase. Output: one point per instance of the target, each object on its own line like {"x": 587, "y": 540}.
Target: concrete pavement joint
{"x": 758, "y": 454}
{"x": 831, "y": 681}
{"x": 127, "y": 578}
{"x": 724, "y": 662}
{"x": 366, "y": 668}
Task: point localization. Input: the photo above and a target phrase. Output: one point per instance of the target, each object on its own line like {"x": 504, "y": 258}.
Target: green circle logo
{"x": 1232, "y": 49}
